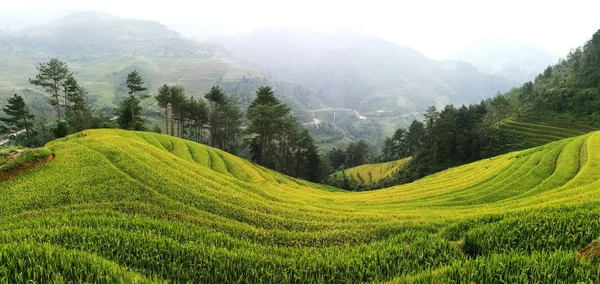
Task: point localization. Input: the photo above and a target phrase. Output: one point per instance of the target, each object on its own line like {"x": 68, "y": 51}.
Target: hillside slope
{"x": 372, "y": 173}
{"x": 119, "y": 206}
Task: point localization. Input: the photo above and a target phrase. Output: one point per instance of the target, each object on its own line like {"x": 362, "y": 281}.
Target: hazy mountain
{"x": 97, "y": 32}
{"x": 101, "y": 49}
{"x": 359, "y": 71}
{"x": 517, "y": 61}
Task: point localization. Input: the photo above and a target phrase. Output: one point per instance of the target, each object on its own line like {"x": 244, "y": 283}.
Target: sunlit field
{"x": 155, "y": 208}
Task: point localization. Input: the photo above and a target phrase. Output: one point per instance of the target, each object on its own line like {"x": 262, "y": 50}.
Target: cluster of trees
{"x": 70, "y": 106}
{"x": 273, "y": 138}
{"x": 188, "y": 117}
{"x": 450, "y": 137}
{"x": 278, "y": 141}
{"x": 565, "y": 93}
{"x": 355, "y": 154}
{"x": 446, "y": 138}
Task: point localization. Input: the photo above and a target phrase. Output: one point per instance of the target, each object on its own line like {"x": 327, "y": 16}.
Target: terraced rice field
{"x": 372, "y": 173}
{"x": 537, "y": 134}
{"x": 135, "y": 207}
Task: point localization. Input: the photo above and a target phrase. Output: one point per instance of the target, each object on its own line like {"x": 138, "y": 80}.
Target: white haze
{"x": 436, "y": 28}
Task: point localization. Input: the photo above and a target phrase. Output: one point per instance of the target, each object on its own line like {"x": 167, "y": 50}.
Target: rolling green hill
{"x": 372, "y": 173}
{"x": 527, "y": 134}
{"x": 136, "y": 207}
{"x": 538, "y": 134}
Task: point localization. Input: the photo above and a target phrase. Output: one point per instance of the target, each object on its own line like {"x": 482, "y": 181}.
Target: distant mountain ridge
{"x": 517, "y": 61}
{"x": 359, "y": 71}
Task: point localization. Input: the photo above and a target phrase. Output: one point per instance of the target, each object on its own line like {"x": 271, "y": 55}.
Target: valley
{"x": 260, "y": 147}
{"x": 157, "y": 197}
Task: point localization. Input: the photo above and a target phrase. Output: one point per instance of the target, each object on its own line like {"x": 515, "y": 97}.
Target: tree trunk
{"x": 66, "y": 108}
{"x": 167, "y": 120}
{"x": 26, "y": 130}
{"x": 172, "y": 123}
{"x": 57, "y": 107}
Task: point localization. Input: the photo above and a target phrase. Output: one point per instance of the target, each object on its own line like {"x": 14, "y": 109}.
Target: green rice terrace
{"x": 372, "y": 173}
{"x": 537, "y": 134}
{"x": 137, "y": 207}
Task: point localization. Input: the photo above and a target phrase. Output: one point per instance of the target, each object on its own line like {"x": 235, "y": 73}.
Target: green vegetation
{"x": 370, "y": 174}
{"x": 18, "y": 117}
{"x": 564, "y": 94}
{"x": 520, "y": 135}
{"x": 159, "y": 208}
{"x": 536, "y": 134}
{"x": 129, "y": 112}
{"x": 12, "y": 158}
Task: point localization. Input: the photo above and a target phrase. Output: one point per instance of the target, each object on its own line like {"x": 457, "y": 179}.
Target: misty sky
{"x": 436, "y": 28}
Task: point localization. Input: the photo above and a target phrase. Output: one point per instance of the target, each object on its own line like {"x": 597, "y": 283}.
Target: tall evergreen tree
{"x": 70, "y": 86}
{"x": 198, "y": 115}
{"x": 337, "y": 158}
{"x": 232, "y": 124}
{"x": 215, "y": 97}
{"x": 179, "y": 109}
{"x": 130, "y": 111}
{"x": 18, "y": 116}
{"x": 135, "y": 84}
{"x": 163, "y": 98}
{"x": 356, "y": 153}
{"x": 78, "y": 112}
{"x": 51, "y": 77}
{"x": 267, "y": 116}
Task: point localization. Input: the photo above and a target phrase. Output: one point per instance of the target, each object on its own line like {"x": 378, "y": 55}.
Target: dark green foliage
{"x": 500, "y": 105}
{"x": 565, "y": 93}
{"x": 163, "y": 99}
{"x": 198, "y": 116}
{"x": 337, "y": 158}
{"x": 178, "y": 105}
{"x": 451, "y": 137}
{"x": 130, "y": 112}
{"x": 279, "y": 142}
{"x": 224, "y": 119}
{"x": 18, "y": 116}
{"x": 156, "y": 129}
{"x": 267, "y": 118}
{"x": 51, "y": 77}
{"x": 395, "y": 148}
{"x": 356, "y": 153}
{"x": 78, "y": 112}
{"x": 134, "y": 83}
{"x": 61, "y": 129}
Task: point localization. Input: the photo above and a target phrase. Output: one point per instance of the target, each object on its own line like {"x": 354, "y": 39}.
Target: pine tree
{"x": 129, "y": 114}
{"x": 130, "y": 111}
{"x": 215, "y": 97}
{"x": 135, "y": 84}
{"x": 51, "y": 77}
{"x": 78, "y": 112}
{"x": 164, "y": 99}
{"x": 232, "y": 125}
{"x": 18, "y": 115}
{"x": 70, "y": 86}
{"x": 267, "y": 118}
{"x": 178, "y": 106}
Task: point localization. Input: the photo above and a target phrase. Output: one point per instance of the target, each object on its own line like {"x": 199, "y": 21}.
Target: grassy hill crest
{"x": 157, "y": 208}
